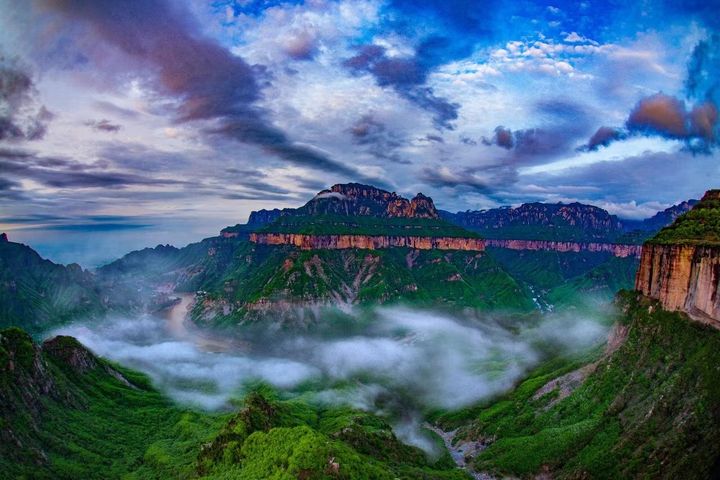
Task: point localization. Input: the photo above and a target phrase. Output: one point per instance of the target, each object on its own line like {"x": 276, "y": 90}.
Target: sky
{"x": 127, "y": 124}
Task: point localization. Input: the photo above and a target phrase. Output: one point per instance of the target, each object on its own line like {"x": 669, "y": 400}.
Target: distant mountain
{"x": 36, "y": 293}
{"x": 541, "y": 221}
{"x": 572, "y": 222}
{"x": 660, "y": 219}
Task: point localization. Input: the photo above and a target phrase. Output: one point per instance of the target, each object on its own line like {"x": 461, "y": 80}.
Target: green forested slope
{"x": 651, "y": 409}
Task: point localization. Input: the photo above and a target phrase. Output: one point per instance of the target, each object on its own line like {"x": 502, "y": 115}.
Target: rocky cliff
{"x": 617, "y": 250}
{"x": 367, "y": 242}
{"x": 680, "y": 266}
{"x": 353, "y": 199}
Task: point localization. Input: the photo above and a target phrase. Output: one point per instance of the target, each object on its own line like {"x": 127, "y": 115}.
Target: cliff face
{"x": 367, "y": 242}
{"x": 616, "y": 250}
{"x": 682, "y": 277}
{"x": 680, "y": 266}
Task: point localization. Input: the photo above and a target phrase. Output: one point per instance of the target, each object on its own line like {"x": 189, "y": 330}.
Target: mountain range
{"x": 645, "y": 405}
{"x": 349, "y": 245}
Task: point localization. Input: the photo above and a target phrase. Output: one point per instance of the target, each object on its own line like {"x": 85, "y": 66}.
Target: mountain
{"x": 349, "y": 245}
{"x": 660, "y": 219}
{"x": 680, "y": 266}
{"x": 565, "y": 253}
{"x": 574, "y": 222}
{"x": 354, "y": 199}
{"x": 67, "y": 414}
{"x": 37, "y": 293}
{"x": 648, "y": 406}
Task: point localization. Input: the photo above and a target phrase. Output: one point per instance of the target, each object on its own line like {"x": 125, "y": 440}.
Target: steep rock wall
{"x": 617, "y": 250}
{"x": 682, "y": 277}
{"x": 370, "y": 242}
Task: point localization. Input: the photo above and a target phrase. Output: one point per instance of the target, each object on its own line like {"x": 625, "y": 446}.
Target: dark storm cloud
{"x": 483, "y": 180}
{"x": 10, "y": 189}
{"x": 407, "y": 76}
{"x": 563, "y": 124}
{"x": 21, "y": 118}
{"x": 211, "y": 83}
{"x": 103, "y": 125}
{"x": 603, "y": 137}
{"x": 661, "y": 114}
{"x": 66, "y": 173}
{"x": 379, "y": 141}
{"x": 666, "y": 116}
{"x": 502, "y": 137}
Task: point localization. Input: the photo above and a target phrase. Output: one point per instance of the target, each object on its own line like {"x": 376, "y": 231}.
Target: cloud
{"x": 103, "y": 125}
{"x": 381, "y": 142}
{"x": 603, "y": 137}
{"x": 407, "y": 76}
{"x": 503, "y": 137}
{"x": 417, "y": 359}
{"x": 480, "y": 179}
{"x": 562, "y": 124}
{"x": 665, "y": 116}
{"x": 66, "y": 173}
{"x": 21, "y": 117}
{"x": 208, "y": 82}
{"x": 661, "y": 114}
{"x": 666, "y": 177}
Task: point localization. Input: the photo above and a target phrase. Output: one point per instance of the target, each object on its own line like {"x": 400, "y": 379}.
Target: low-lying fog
{"x": 400, "y": 362}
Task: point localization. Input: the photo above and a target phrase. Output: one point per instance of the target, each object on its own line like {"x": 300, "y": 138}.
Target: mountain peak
{"x": 356, "y": 199}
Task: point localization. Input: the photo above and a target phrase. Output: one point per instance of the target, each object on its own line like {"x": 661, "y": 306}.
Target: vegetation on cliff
{"x": 277, "y": 279}
{"x": 699, "y": 226}
{"x": 651, "y": 409}
{"x": 65, "y": 413}
{"x": 37, "y": 293}
{"x": 328, "y": 224}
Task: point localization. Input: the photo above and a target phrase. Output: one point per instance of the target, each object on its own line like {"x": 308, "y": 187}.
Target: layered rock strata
{"x": 369, "y": 242}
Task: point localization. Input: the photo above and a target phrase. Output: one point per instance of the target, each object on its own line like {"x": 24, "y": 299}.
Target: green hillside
{"x": 699, "y": 226}
{"x": 66, "y": 414}
{"x": 37, "y": 294}
{"x": 651, "y": 409}
{"x": 277, "y": 276}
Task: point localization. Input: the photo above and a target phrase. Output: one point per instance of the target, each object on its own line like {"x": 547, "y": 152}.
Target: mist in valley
{"x": 394, "y": 361}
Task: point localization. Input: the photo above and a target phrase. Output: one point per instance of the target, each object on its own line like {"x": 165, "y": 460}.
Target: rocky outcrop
{"x": 682, "y": 277}
{"x": 353, "y": 199}
{"x": 369, "y": 242}
{"x": 617, "y": 250}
